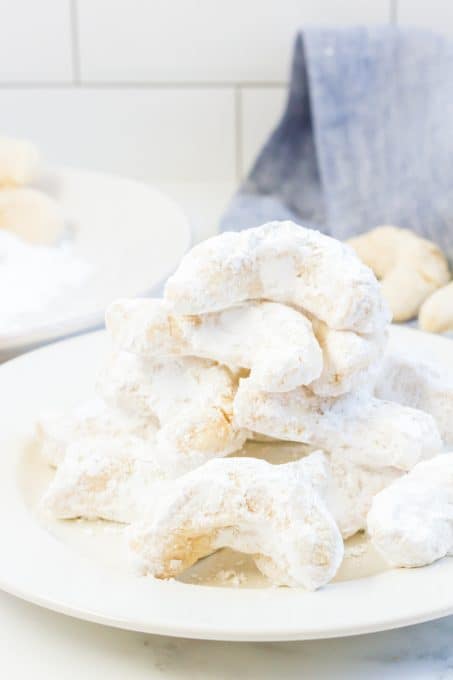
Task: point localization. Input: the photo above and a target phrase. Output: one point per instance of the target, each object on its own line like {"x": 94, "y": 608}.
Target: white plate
{"x": 76, "y": 568}
{"x": 131, "y": 234}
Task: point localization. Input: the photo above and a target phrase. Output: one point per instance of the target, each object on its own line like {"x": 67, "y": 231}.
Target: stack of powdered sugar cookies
{"x": 276, "y": 332}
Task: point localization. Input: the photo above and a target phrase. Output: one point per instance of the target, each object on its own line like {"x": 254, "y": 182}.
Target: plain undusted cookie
{"x": 191, "y": 400}
{"x": 56, "y": 431}
{"x": 368, "y": 430}
{"x": 103, "y": 477}
{"x": 436, "y": 313}
{"x": 282, "y": 262}
{"x": 274, "y": 512}
{"x": 410, "y": 268}
{"x": 31, "y": 215}
{"x": 275, "y": 342}
{"x": 411, "y": 521}
{"x": 416, "y": 383}
{"x": 18, "y": 161}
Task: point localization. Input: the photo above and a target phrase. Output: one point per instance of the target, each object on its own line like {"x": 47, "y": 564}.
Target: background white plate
{"x": 62, "y": 566}
{"x": 131, "y": 234}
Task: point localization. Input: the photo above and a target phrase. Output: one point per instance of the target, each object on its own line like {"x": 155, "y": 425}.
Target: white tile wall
{"x": 148, "y": 133}
{"x": 35, "y": 40}
{"x": 202, "y": 40}
{"x": 167, "y": 89}
{"x": 261, "y": 109}
{"x": 435, "y": 14}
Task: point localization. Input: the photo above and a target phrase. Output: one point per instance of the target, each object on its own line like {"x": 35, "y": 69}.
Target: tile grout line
{"x": 238, "y": 131}
{"x": 140, "y": 85}
{"x": 393, "y": 12}
{"x": 75, "y": 43}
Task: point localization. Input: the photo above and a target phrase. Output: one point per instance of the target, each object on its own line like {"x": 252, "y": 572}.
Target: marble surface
{"x": 40, "y": 645}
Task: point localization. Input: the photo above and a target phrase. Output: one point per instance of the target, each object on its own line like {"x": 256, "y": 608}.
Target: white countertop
{"x": 37, "y": 644}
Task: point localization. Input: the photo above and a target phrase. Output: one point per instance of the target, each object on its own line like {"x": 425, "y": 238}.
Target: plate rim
{"x": 283, "y": 623}
{"x": 53, "y": 331}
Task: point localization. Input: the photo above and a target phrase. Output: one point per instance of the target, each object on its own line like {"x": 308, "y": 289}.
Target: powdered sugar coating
{"x": 283, "y": 262}
{"x": 350, "y": 487}
{"x": 36, "y": 281}
{"x": 350, "y": 361}
{"x": 275, "y": 341}
{"x": 369, "y": 430}
{"x": 305, "y": 317}
{"x": 351, "y": 491}
{"x": 411, "y": 521}
{"x": 420, "y": 384}
{"x": 190, "y": 399}
{"x": 107, "y": 478}
{"x": 56, "y": 431}
{"x": 275, "y": 513}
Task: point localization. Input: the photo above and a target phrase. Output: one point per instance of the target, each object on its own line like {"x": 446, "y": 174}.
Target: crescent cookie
{"x": 56, "y": 431}
{"x": 190, "y": 399}
{"x": 351, "y": 491}
{"x": 436, "y": 313}
{"x": 275, "y": 342}
{"x": 31, "y": 215}
{"x": 419, "y": 384}
{"x": 18, "y": 162}
{"x": 274, "y": 512}
{"x": 350, "y": 487}
{"x": 411, "y": 521}
{"x": 282, "y": 262}
{"x": 103, "y": 478}
{"x": 410, "y": 268}
{"x": 350, "y": 361}
{"x": 367, "y": 429}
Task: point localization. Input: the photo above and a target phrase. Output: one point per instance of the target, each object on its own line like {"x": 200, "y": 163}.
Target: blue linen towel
{"x": 366, "y": 138}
